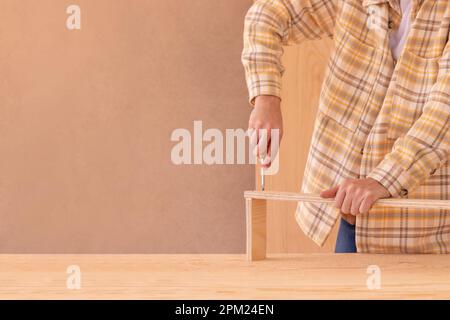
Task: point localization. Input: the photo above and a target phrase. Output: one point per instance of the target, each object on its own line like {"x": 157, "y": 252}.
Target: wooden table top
{"x": 224, "y": 276}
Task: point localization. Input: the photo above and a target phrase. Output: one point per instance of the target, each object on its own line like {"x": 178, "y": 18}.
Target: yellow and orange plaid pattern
{"x": 377, "y": 117}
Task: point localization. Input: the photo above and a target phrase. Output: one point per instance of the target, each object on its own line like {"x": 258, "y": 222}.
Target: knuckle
{"x": 258, "y": 124}
{"x": 345, "y": 209}
{"x": 337, "y": 205}
{"x": 252, "y": 126}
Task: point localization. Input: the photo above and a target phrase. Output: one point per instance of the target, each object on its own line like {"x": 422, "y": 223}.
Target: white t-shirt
{"x": 398, "y": 37}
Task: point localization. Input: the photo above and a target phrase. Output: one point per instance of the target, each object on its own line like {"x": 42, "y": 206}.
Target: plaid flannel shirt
{"x": 377, "y": 117}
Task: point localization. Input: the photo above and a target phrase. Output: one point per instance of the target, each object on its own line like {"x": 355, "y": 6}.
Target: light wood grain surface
{"x": 315, "y": 198}
{"x": 305, "y": 67}
{"x": 256, "y": 216}
{"x": 219, "y": 276}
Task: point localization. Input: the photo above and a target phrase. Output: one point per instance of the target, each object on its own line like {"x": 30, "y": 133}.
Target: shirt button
{"x": 403, "y": 192}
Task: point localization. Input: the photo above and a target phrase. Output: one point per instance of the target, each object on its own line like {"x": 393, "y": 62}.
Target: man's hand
{"x": 266, "y": 115}
{"x": 355, "y": 196}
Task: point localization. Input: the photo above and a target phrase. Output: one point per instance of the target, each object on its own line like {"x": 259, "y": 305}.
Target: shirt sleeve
{"x": 270, "y": 24}
{"x": 426, "y": 146}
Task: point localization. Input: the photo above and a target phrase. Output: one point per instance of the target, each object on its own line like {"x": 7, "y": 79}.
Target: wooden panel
{"x": 305, "y": 66}
{"x": 256, "y": 212}
{"x": 164, "y": 276}
{"x": 315, "y": 198}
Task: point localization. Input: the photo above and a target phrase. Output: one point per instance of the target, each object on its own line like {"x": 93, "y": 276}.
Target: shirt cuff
{"x": 393, "y": 177}
{"x": 256, "y": 88}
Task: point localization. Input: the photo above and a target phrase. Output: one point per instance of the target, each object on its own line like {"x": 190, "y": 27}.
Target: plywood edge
{"x": 391, "y": 202}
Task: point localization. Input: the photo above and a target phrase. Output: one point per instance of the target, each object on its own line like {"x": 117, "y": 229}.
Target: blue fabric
{"x": 345, "y": 242}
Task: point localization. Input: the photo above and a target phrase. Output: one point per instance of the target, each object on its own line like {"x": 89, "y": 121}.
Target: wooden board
{"x": 256, "y": 215}
{"x": 302, "y": 80}
{"x": 315, "y": 198}
{"x": 216, "y": 276}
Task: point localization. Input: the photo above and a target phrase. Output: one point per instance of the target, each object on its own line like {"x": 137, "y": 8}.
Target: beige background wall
{"x": 86, "y": 118}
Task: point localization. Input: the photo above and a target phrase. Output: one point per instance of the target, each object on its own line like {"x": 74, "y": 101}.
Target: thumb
{"x": 330, "y": 193}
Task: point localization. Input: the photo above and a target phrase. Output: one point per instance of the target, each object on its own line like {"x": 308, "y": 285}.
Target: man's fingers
{"x": 347, "y": 203}
{"x": 267, "y": 160}
{"x": 339, "y": 199}
{"x": 273, "y": 147}
{"x": 253, "y": 133}
{"x": 263, "y": 143}
{"x": 259, "y": 141}
{"x": 356, "y": 203}
{"x": 330, "y": 193}
{"x": 366, "y": 204}
{"x": 274, "y": 142}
